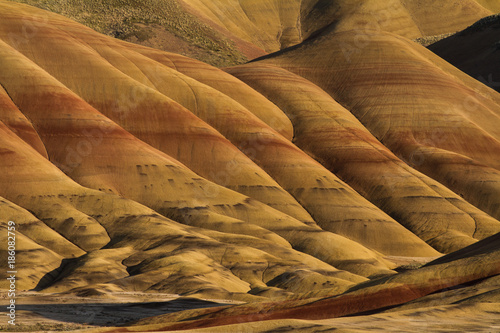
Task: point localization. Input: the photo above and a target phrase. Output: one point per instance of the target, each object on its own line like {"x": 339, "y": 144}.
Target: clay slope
{"x": 128, "y": 132}
{"x": 475, "y": 50}
{"x": 481, "y": 317}
{"x": 321, "y": 172}
{"x": 276, "y": 24}
{"x": 479, "y": 262}
{"x": 492, "y": 5}
{"x": 410, "y": 109}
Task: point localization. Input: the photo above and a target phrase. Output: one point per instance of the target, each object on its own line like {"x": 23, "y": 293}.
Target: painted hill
{"x": 389, "y": 112}
{"x": 89, "y": 146}
{"x": 304, "y": 183}
{"x": 383, "y": 296}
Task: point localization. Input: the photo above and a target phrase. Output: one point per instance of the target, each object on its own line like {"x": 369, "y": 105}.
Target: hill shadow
{"x": 111, "y": 314}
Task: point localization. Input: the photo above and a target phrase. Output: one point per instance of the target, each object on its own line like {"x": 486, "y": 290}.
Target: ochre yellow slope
{"x": 368, "y": 296}
{"x": 492, "y": 5}
{"x": 227, "y": 84}
{"x": 235, "y": 239}
{"x": 270, "y": 24}
{"x": 18, "y": 123}
{"x": 135, "y": 233}
{"x": 152, "y": 116}
{"x": 177, "y": 177}
{"x": 276, "y": 24}
{"x": 410, "y": 100}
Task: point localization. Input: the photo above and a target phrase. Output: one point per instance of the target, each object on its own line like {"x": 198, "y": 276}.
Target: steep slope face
{"x": 337, "y": 139}
{"x": 135, "y": 236}
{"x": 82, "y": 224}
{"x": 367, "y": 296}
{"x": 139, "y": 236}
{"x": 276, "y": 24}
{"x": 270, "y": 24}
{"x": 116, "y": 202}
{"x": 390, "y": 86}
{"x": 407, "y": 18}
{"x": 492, "y": 5}
{"x": 475, "y": 51}
{"x": 153, "y": 83}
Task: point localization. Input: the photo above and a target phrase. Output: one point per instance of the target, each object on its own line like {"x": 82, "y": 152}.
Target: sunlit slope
{"x": 136, "y": 236}
{"x": 425, "y": 111}
{"x": 104, "y": 198}
{"x": 153, "y": 115}
{"x": 277, "y": 24}
{"x": 196, "y": 263}
{"x": 369, "y": 296}
{"x": 492, "y": 5}
{"x": 407, "y": 18}
{"x": 269, "y": 24}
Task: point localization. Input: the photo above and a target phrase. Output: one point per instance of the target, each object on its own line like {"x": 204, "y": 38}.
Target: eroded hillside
{"x": 318, "y": 175}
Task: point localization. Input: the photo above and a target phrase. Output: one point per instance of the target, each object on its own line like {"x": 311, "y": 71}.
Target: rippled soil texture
{"x": 350, "y": 181}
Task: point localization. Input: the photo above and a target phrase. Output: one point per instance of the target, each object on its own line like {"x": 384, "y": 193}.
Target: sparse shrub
{"x": 119, "y": 19}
